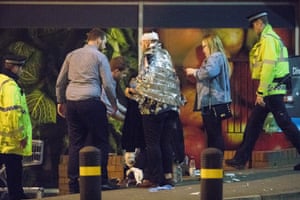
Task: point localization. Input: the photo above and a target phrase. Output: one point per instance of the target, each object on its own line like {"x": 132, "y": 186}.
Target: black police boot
{"x": 238, "y": 164}
{"x": 297, "y": 167}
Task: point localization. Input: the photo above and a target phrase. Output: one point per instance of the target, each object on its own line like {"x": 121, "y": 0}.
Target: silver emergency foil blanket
{"x": 158, "y": 79}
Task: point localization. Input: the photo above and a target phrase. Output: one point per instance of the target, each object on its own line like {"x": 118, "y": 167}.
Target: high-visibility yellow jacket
{"x": 15, "y": 123}
{"x": 269, "y": 63}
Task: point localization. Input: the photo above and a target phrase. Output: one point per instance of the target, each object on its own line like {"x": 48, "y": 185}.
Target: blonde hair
{"x": 214, "y": 43}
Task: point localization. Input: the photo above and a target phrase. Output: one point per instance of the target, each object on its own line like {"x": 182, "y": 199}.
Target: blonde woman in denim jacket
{"x": 212, "y": 87}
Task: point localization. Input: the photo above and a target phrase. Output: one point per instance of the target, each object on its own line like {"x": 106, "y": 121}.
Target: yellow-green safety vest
{"x": 15, "y": 123}
{"x": 269, "y": 62}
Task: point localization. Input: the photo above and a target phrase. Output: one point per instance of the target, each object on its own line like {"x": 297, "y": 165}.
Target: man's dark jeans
{"x": 87, "y": 126}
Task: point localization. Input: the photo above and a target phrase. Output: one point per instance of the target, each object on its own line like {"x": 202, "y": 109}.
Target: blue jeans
{"x": 276, "y": 106}
{"x": 87, "y": 126}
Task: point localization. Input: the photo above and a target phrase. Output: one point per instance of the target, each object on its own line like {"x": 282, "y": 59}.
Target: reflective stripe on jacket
{"x": 269, "y": 61}
{"x": 15, "y": 123}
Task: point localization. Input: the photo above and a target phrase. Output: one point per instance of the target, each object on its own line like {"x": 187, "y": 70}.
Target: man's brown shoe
{"x": 147, "y": 184}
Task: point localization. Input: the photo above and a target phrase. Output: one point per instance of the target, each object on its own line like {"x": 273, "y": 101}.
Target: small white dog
{"x": 129, "y": 158}
{"x": 138, "y": 174}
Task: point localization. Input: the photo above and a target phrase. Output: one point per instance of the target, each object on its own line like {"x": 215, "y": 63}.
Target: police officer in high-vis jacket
{"x": 15, "y": 125}
{"x": 269, "y": 65}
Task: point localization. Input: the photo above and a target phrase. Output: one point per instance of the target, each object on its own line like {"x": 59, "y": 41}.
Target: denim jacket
{"x": 213, "y": 84}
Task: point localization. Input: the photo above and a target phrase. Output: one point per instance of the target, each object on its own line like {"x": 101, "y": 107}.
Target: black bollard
{"x": 211, "y": 174}
{"x": 90, "y": 173}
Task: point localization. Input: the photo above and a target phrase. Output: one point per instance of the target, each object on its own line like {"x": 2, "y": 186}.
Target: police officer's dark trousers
{"x": 14, "y": 171}
{"x": 274, "y": 104}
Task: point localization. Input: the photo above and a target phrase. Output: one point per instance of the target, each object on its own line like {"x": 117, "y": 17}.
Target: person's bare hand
{"x": 129, "y": 92}
{"x": 23, "y": 143}
{"x": 61, "y": 110}
{"x": 260, "y": 101}
{"x": 114, "y": 110}
{"x": 189, "y": 71}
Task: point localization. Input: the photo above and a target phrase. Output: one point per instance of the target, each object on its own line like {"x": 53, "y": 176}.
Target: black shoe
{"x": 109, "y": 186}
{"x": 169, "y": 181}
{"x": 25, "y": 196}
{"x": 17, "y": 197}
{"x": 297, "y": 167}
{"x": 235, "y": 163}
